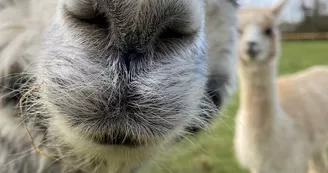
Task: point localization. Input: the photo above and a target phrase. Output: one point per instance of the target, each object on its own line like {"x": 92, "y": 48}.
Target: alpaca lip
{"x": 252, "y": 53}
{"x": 118, "y": 140}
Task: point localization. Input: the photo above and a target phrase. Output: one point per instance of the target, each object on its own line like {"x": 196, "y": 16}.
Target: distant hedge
{"x": 305, "y": 36}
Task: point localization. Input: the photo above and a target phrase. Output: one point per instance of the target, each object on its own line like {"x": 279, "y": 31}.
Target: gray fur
{"x": 109, "y": 83}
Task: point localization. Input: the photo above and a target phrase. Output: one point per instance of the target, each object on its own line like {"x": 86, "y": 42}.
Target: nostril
{"x": 251, "y": 44}
{"x": 128, "y": 56}
{"x": 252, "y": 48}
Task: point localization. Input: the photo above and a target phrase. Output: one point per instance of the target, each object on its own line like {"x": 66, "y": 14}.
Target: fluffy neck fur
{"x": 259, "y": 99}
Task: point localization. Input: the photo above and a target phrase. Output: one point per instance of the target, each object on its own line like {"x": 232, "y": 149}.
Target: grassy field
{"x": 212, "y": 151}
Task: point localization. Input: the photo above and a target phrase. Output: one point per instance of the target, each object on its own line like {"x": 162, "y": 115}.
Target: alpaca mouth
{"x": 118, "y": 140}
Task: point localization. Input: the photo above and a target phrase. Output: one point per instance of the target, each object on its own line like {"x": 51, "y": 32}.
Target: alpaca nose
{"x": 128, "y": 56}
{"x": 252, "y": 49}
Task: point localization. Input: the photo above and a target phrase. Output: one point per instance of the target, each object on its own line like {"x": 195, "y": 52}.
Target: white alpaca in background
{"x": 281, "y": 126}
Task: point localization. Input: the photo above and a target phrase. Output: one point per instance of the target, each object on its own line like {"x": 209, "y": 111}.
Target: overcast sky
{"x": 291, "y": 13}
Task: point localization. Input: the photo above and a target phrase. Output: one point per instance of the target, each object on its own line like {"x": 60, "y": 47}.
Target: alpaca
{"x": 281, "y": 122}
{"x": 101, "y": 86}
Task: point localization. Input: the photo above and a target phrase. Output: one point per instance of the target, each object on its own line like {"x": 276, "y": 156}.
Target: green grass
{"x": 212, "y": 151}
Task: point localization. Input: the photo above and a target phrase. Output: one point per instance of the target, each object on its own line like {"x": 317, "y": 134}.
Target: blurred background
{"x": 300, "y": 18}
{"x": 304, "y": 25}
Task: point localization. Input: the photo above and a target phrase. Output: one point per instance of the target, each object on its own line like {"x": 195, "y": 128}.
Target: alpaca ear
{"x": 276, "y": 10}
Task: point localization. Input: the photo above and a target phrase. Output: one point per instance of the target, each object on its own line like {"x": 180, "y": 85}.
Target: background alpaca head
{"x": 259, "y": 33}
{"x": 120, "y": 78}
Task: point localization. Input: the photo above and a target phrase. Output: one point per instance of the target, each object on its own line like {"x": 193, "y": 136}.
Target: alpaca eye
{"x": 268, "y": 32}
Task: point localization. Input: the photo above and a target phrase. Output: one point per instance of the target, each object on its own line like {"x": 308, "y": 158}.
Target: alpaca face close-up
{"x": 106, "y": 84}
{"x": 118, "y": 72}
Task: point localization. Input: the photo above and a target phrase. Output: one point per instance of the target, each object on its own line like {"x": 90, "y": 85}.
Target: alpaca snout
{"x": 252, "y": 49}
